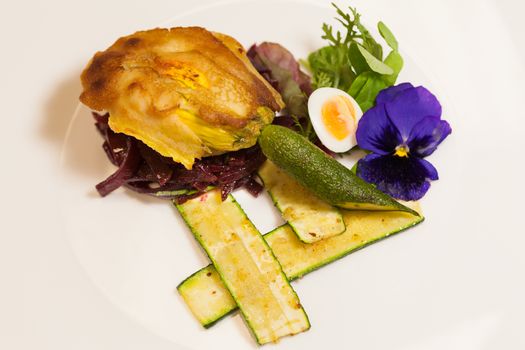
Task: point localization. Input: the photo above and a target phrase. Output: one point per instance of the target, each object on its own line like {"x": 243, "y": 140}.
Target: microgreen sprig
{"x": 353, "y": 59}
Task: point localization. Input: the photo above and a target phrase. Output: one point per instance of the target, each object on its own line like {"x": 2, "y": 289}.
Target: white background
{"x": 473, "y": 50}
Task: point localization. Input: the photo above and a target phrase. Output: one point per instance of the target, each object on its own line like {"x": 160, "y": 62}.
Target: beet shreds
{"x": 128, "y": 165}
{"x": 143, "y": 170}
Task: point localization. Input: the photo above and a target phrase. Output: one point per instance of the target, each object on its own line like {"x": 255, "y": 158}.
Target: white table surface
{"x": 47, "y": 302}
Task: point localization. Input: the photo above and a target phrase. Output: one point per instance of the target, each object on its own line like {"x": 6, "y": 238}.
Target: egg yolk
{"x": 338, "y": 116}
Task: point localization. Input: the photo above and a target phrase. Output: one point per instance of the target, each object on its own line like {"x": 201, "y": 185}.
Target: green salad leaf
{"x": 395, "y": 62}
{"x": 353, "y": 60}
{"x": 364, "y": 61}
{"x": 366, "y": 87}
{"x": 368, "y": 41}
{"x": 386, "y": 33}
{"x": 331, "y": 66}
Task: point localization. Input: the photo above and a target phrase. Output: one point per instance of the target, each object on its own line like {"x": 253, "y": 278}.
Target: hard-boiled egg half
{"x": 334, "y": 115}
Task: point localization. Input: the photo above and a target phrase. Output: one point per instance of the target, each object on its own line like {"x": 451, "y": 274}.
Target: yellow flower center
{"x": 402, "y": 151}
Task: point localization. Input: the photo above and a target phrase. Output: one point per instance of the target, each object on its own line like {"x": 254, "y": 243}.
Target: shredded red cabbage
{"x": 143, "y": 170}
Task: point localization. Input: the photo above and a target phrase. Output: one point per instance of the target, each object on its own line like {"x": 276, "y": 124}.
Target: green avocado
{"x": 321, "y": 174}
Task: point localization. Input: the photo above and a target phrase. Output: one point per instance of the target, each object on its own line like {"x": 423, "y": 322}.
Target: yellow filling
{"x": 187, "y": 75}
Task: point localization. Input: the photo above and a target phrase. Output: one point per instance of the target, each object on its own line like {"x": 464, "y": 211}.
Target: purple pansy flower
{"x": 402, "y": 128}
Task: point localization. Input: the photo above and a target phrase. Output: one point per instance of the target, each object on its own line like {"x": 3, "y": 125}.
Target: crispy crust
{"x": 240, "y": 52}
{"x": 101, "y": 78}
{"x": 165, "y": 86}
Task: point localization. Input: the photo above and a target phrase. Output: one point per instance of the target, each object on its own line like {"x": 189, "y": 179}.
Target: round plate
{"x": 391, "y": 295}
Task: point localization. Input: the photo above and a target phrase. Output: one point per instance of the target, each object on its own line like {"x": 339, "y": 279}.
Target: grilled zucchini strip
{"x": 246, "y": 266}
{"x": 296, "y": 257}
{"x": 311, "y": 218}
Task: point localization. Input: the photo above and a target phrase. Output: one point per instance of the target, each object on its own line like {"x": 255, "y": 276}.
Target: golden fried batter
{"x": 185, "y": 92}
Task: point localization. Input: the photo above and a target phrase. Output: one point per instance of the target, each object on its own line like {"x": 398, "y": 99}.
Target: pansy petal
{"x": 427, "y": 135}
{"x": 431, "y": 171}
{"x": 406, "y": 178}
{"x": 376, "y": 133}
{"x": 390, "y": 93}
{"x": 410, "y": 106}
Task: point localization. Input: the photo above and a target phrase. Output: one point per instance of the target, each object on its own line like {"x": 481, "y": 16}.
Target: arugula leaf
{"x": 388, "y": 36}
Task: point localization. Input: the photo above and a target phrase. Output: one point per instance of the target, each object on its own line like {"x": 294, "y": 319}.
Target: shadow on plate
{"x": 71, "y": 129}
{"x": 60, "y": 107}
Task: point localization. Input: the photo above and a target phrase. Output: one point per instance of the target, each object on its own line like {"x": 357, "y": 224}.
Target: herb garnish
{"x": 353, "y": 61}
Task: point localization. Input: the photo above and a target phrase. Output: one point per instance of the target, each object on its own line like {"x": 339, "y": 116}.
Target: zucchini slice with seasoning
{"x": 296, "y": 258}
{"x": 207, "y": 296}
{"x": 246, "y": 266}
{"x": 311, "y": 218}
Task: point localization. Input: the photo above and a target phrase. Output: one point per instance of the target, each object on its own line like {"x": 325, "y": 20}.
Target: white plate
{"x": 442, "y": 285}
